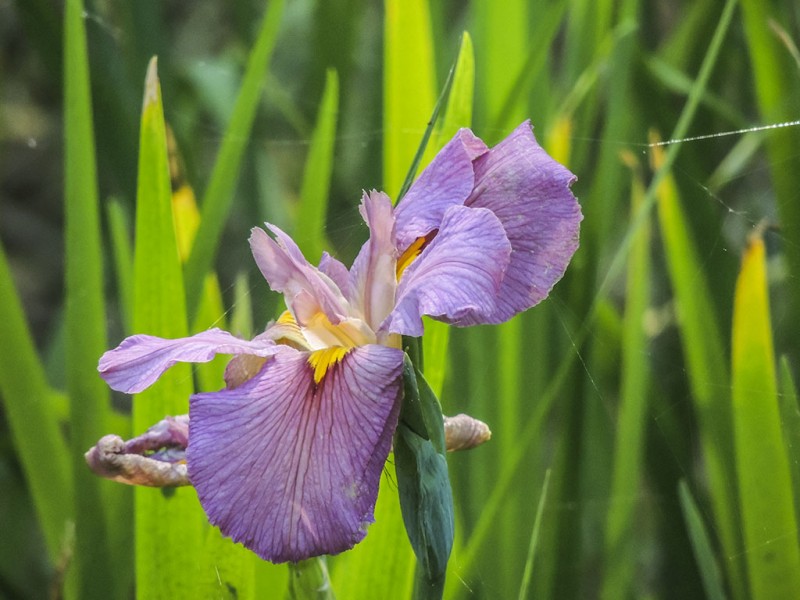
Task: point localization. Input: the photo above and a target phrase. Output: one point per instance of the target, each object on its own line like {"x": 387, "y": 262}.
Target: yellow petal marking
{"x": 413, "y": 251}
{"x": 322, "y": 360}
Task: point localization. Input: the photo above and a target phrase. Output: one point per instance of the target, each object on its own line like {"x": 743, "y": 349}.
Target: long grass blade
{"x": 703, "y": 349}
{"x": 95, "y": 500}
{"x": 767, "y": 511}
{"x": 790, "y": 421}
{"x": 701, "y": 544}
{"x": 620, "y": 532}
{"x": 168, "y": 526}
{"x": 310, "y": 224}
{"x": 537, "y": 525}
{"x": 777, "y": 96}
{"x": 34, "y": 426}
{"x": 222, "y": 183}
{"x": 409, "y": 84}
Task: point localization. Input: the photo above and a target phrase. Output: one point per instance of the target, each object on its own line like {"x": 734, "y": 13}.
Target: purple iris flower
{"x": 287, "y": 458}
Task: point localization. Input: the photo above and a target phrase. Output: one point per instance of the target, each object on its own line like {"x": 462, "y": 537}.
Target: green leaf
{"x": 621, "y": 533}
{"x": 219, "y": 192}
{"x": 502, "y": 34}
{"x": 34, "y": 426}
{"x": 310, "y": 224}
{"x": 767, "y": 510}
{"x": 701, "y": 544}
{"x": 309, "y": 580}
{"x": 426, "y": 502}
{"x": 537, "y": 525}
{"x": 425, "y": 496}
{"x": 707, "y": 371}
{"x": 168, "y": 524}
{"x": 99, "y": 564}
{"x": 777, "y": 97}
{"x": 408, "y": 86}
{"x": 790, "y": 421}
{"x": 119, "y": 227}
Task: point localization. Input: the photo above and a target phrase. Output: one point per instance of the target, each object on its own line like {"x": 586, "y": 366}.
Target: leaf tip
{"x": 151, "y": 83}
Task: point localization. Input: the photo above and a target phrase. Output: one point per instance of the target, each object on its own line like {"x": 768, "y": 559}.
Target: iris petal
{"x": 372, "y": 278}
{"x": 529, "y": 192}
{"x": 447, "y": 181}
{"x": 457, "y": 276}
{"x": 140, "y": 360}
{"x": 306, "y": 289}
{"x": 292, "y": 471}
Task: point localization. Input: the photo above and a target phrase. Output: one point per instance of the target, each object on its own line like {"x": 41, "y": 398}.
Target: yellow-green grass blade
{"x": 382, "y": 566}
{"x": 790, "y": 420}
{"x": 707, "y": 372}
{"x": 310, "y": 223}
{"x": 701, "y": 544}
{"x": 777, "y": 89}
{"x": 762, "y": 465}
{"x": 537, "y": 525}
{"x": 222, "y": 183}
{"x": 34, "y": 426}
{"x": 620, "y": 529}
{"x": 122, "y": 250}
{"x": 458, "y": 114}
{"x": 168, "y": 525}
{"x": 502, "y": 34}
{"x": 545, "y": 29}
{"x": 97, "y": 501}
{"x": 408, "y": 86}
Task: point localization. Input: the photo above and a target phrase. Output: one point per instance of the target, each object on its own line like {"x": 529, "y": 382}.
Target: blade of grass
{"x": 701, "y": 544}
{"x": 790, "y": 421}
{"x": 409, "y": 84}
{"x": 537, "y": 524}
{"x": 34, "y": 427}
{"x": 629, "y": 448}
{"x": 168, "y": 526}
{"x": 382, "y": 566}
{"x": 310, "y": 229}
{"x": 119, "y": 228}
{"x": 222, "y": 183}
{"x": 458, "y": 114}
{"x": 501, "y": 30}
{"x": 767, "y": 510}
{"x": 703, "y": 350}
{"x": 97, "y": 501}
{"x": 777, "y": 93}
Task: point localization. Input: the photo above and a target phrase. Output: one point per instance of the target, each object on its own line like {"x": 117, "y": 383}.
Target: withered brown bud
{"x": 155, "y": 458}
{"x": 463, "y": 432}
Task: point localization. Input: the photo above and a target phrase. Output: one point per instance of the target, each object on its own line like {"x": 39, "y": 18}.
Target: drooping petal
{"x": 306, "y": 289}
{"x": 447, "y": 181}
{"x": 529, "y": 192}
{"x": 372, "y": 278}
{"x": 140, "y": 360}
{"x": 457, "y": 277}
{"x": 290, "y": 468}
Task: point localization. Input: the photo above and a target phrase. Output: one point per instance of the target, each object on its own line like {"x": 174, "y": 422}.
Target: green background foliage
{"x": 646, "y": 439}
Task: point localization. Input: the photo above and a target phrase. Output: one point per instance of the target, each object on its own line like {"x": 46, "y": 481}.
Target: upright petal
{"x": 306, "y": 289}
{"x": 529, "y": 192}
{"x": 372, "y": 278}
{"x": 291, "y": 468}
{"x": 447, "y": 181}
{"x": 140, "y": 360}
{"x": 457, "y": 277}
{"x": 336, "y": 271}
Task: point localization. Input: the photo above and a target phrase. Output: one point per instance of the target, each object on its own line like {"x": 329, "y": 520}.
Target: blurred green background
{"x": 653, "y": 426}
